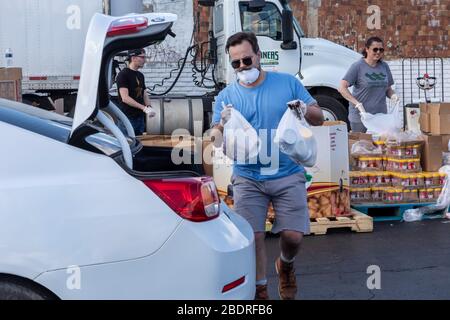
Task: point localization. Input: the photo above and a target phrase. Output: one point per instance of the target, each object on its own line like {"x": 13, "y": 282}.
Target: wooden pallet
{"x": 358, "y": 222}
{"x": 387, "y": 212}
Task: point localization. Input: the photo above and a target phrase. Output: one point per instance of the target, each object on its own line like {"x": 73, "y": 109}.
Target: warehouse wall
{"x": 411, "y": 28}
{"x": 418, "y": 28}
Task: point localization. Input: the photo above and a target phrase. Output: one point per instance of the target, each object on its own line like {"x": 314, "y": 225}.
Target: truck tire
{"x": 333, "y": 109}
{"x": 19, "y": 290}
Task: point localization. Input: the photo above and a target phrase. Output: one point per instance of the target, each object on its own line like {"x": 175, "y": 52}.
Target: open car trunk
{"x": 108, "y": 36}
{"x": 158, "y": 159}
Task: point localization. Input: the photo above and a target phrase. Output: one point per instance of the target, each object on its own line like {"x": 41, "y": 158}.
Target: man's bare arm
{"x": 128, "y": 100}
{"x": 146, "y": 99}
{"x": 314, "y": 115}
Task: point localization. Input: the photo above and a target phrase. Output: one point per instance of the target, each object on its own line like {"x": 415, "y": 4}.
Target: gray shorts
{"x": 288, "y": 196}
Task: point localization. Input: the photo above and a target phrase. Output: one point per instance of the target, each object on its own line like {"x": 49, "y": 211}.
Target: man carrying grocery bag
{"x": 261, "y": 98}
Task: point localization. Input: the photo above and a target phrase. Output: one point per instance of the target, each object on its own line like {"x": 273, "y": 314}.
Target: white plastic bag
{"x": 295, "y": 138}
{"x": 438, "y": 210}
{"x": 383, "y": 123}
{"x": 241, "y": 142}
{"x": 365, "y": 147}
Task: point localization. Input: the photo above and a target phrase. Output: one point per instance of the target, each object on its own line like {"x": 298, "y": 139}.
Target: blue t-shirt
{"x": 263, "y": 107}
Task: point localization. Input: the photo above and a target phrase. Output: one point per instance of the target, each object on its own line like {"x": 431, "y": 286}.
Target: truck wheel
{"x": 333, "y": 109}
{"x": 16, "y": 290}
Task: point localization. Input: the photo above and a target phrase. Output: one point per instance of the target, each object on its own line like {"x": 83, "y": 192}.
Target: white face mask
{"x": 248, "y": 76}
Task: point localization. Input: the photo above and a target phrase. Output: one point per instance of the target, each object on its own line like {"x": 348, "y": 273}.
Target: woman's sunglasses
{"x": 378, "y": 49}
{"x": 247, "y": 61}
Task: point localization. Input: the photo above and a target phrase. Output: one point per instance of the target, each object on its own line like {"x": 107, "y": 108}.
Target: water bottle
{"x": 8, "y": 58}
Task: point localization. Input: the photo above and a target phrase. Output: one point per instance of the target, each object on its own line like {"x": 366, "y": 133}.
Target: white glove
{"x": 149, "y": 111}
{"x": 395, "y": 98}
{"x": 225, "y": 114}
{"x": 360, "y": 107}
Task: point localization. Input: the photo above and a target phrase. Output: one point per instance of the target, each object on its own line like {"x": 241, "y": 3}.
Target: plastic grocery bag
{"x": 365, "y": 147}
{"x": 439, "y": 210}
{"x": 383, "y": 123}
{"x": 241, "y": 142}
{"x": 294, "y": 136}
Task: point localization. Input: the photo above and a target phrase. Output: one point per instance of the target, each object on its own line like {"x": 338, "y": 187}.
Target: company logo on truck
{"x": 270, "y": 58}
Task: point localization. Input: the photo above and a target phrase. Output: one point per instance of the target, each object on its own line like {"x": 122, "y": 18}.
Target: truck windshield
{"x": 266, "y": 21}
{"x": 263, "y": 22}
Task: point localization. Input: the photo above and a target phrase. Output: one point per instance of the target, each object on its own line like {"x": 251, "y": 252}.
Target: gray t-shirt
{"x": 369, "y": 87}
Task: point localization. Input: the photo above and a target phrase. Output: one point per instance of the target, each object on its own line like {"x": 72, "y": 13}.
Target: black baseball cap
{"x": 135, "y": 52}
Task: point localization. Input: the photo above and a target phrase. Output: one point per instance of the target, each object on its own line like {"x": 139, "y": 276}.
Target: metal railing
{"x": 413, "y": 68}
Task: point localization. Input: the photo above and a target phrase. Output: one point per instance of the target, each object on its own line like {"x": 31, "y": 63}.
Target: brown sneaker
{"x": 287, "y": 283}
{"x": 261, "y": 292}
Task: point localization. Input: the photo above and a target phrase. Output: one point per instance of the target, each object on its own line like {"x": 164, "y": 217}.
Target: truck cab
{"x": 318, "y": 63}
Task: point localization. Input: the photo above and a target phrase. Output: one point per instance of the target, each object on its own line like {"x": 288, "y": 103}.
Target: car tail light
{"x": 126, "y": 26}
{"x": 194, "y": 199}
{"x": 233, "y": 284}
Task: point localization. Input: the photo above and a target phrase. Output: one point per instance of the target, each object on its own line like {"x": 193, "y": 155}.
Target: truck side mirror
{"x": 287, "y": 26}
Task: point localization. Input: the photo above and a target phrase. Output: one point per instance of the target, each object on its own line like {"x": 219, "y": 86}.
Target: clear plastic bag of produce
{"x": 402, "y": 137}
{"x": 366, "y": 147}
{"x": 294, "y": 136}
{"x": 439, "y": 210}
{"x": 241, "y": 141}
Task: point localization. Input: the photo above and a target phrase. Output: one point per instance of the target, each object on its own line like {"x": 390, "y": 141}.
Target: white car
{"x": 89, "y": 213}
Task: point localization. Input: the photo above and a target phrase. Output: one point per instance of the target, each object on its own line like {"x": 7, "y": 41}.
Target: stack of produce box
{"x": 389, "y": 172}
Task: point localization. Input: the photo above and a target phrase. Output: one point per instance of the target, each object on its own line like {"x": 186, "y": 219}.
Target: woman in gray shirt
{"x": 371, "y": 79}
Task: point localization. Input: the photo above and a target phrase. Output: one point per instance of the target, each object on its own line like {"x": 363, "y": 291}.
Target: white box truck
{"x": 47, "y": 39}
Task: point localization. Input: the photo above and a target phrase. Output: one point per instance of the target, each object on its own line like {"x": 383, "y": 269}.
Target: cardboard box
{"x": 425, "y": 122}
{"x": 328, "y": 196}
{"x": 423, "y": 107}
{"x": 439, "y": 118}
{"x": 445, "y": 140}
{"x": 425, "y": 117}
{"x": 11, "y": 83}
{"x": 354, "y": 137}
{"x": 359, "y": 136}
{"x": 185, "y": 142}
{"x": 431, "y": 159}
{"x": 332, "y": 164}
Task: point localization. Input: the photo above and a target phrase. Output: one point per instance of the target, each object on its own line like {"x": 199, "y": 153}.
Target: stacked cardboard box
{"x": 435, "y": 125}
{"x": 328, "y": 196}
{"x": 11, "y": 83}
{"x": 435, "y": 118}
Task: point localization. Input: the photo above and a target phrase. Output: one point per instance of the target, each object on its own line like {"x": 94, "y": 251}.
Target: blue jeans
{"x": 138, "y": 124}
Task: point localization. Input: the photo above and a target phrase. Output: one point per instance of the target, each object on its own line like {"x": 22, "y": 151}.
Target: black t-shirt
{"x": 135, "y": 83}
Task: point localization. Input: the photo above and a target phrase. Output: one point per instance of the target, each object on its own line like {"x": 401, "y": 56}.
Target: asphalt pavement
{"x": 413, "y": 257}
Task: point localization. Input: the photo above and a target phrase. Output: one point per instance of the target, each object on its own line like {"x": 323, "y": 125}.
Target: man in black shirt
{"x": 134, "y": 101}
